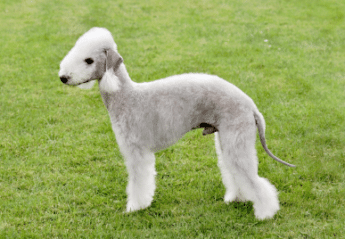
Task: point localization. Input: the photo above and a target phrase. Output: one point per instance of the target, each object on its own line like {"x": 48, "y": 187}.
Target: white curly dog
{"x": 147, "y": 117}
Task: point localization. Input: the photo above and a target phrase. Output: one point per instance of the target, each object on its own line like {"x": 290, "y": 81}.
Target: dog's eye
{"x": 89, "y": 61}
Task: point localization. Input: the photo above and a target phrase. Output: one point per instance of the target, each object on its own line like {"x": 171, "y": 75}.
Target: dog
{"x": 147, "y": 117}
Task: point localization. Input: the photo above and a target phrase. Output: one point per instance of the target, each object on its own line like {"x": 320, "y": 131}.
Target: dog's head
{"x": 88, "y": 60}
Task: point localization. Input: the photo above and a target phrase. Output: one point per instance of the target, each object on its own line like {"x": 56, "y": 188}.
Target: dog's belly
{"x": 167, "y": 129}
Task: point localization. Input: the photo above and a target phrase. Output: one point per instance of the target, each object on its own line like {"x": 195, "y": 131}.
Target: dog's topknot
{"x": 97, "y": 38}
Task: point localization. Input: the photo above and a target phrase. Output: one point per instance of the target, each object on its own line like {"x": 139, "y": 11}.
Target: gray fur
{"x": 261, "y": 131}
{"x": 147, "y": 117}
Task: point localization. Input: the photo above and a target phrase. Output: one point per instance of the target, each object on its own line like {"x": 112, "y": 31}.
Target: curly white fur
{"x": 147, "y": 117}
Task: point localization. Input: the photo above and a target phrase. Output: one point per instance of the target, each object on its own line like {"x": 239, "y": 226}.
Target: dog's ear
{"x": 113, "y": 60}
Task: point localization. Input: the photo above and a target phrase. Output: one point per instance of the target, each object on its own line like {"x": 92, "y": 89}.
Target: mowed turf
{"x": 61, "y": 173}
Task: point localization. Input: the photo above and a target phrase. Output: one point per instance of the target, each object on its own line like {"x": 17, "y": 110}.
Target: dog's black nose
{"x": 64, "y": 79}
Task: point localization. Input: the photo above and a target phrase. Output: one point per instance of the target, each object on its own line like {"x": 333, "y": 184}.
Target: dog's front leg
{"x": 141, "y": 179}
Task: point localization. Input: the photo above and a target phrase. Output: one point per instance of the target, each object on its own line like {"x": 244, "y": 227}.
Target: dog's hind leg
{"x": 232, "y": 192}
{"x": 239, "y": 158}
{"x": 141, "y": 179}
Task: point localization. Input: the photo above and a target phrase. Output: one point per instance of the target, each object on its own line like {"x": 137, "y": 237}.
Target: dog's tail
{"x": 260, "y": 123}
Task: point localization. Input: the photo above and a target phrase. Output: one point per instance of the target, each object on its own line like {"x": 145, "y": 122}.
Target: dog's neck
{"x": 123, "y": 75}
{"x": 112, "y": 85}
{"x": 114, "y": 81}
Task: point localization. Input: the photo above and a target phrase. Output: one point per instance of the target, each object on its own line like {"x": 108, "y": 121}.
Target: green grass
{"x": 61, "y": 173}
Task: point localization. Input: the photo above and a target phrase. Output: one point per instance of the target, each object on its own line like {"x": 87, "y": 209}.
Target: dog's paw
{"x": 266, "y": 204}
{"x": 133, "y": 206}
{"x": 265, "y": 214}
{"x": 229, "y": 197}
{"x": 267, "y": 210}
{"x": 233, "y": 197}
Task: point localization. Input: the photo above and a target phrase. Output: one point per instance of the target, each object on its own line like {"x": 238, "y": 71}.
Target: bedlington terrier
{"x": 147, "y": 117}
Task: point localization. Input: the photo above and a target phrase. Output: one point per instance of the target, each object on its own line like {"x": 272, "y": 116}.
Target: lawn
{"x": 61, "y": 173}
